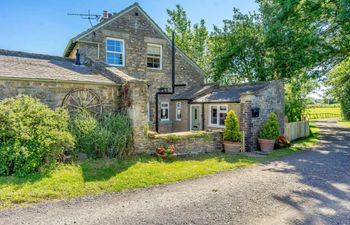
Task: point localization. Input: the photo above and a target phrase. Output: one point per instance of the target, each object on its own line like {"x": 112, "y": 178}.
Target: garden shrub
{"x": 231, "y": 131}
{"x": 32, "y": 136}
{"x": 83, "y": 126}
{"x": 119, "y": 132}
{"x": 270, "y": 129}
{"x": 108, "y": 136}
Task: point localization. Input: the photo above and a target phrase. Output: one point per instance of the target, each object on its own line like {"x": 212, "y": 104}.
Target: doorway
{"x": 195, "y": 117}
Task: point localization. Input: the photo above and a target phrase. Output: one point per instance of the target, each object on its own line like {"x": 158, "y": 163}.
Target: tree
{"x": 238, "y": 50}
{"x": 193, "y": 41}
{"x": 340, "y": 82}
{"x": 299, "y": 41}
{"x": 199, "y": 50}
{"x": 181, "y": 25}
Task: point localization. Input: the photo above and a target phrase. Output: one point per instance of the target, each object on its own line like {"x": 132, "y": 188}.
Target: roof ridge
{"x": 248, "y": 83}
{"x": 76, "y": 38}
{"x": 15, "y": 53}
{"x": 136, "y": 4}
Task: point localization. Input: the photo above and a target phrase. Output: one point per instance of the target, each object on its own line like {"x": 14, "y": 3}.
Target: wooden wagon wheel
{"x": 83, "y": 99}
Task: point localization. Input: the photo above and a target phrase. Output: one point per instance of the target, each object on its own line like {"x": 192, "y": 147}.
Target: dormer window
{"x": 154, "y": 56}
{"x": 115, "y": 52}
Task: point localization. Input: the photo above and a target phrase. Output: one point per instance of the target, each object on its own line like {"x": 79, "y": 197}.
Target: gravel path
{"x": 311, "y": 187}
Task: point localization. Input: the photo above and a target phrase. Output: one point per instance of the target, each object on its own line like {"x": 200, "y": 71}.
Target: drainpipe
{"x": 203, "y": 116}
{"x": 172, "y": 80}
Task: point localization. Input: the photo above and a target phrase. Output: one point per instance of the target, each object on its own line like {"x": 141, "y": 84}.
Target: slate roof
{"x": 193, "y": 92}
{"x": 230, "y": 93}
{"x": 21, "y": 65}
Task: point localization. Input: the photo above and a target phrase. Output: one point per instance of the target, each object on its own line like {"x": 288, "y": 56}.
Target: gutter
{"x": 57, "y": 81}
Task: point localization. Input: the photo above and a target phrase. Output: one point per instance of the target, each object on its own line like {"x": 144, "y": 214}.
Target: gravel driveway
{"x": 311, "y": 187}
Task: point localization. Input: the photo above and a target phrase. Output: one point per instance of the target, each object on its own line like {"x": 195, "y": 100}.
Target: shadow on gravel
{"x": 326, "y": 170}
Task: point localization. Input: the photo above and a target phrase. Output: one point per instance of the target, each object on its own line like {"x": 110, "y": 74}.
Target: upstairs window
{"x": 164, "y": 111}
{"x": 178, "y": 111}
{"x": 154, "y": 56}
{"x": 115, "y": 52}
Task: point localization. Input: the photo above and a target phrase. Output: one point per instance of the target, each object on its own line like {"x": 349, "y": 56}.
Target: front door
{"x": 195, "y": 118}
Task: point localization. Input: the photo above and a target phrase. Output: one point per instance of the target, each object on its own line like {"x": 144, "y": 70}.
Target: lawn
{"x": 346, "y": 123}
{"x": 94, "y": 177}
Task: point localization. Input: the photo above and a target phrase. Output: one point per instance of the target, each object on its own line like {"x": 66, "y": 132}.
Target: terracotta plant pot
{"x": 232, "y": 147}
{"x": 266, "y": 145}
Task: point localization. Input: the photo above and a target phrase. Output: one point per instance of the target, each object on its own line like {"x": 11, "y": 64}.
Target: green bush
{"x": 119, "y": 132}
{"x": 108, "y": 137}
{"x": 83, "y": 127}
{"x": 231, "y": 131}
{"x": 32, "y": 136}
{"x": 270, "y": 129}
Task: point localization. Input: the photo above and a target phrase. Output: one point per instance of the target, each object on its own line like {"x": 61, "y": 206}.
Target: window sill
{"x": 156, "y": 69}
{"x": 216, "y": 126}
{"x": 165, "y": 121}
{"x": 115, "y": 65}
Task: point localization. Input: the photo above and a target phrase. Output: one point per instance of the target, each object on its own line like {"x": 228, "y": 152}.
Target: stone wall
{"x": 53, "y": 93}
{"x": 137, "y": 32}
{"x": 269, "y": 99}
{"x": 187, "y": 142}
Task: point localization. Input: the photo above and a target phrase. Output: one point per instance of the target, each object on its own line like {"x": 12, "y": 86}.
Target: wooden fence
{"x": 293, "y": 131}
{"x": 311, "y": 116}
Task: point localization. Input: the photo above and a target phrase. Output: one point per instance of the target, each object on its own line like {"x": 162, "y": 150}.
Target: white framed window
{"x": 154, "y": 56}
{"x": 115, "y": 52}
{"x": 164, "y": 111}
{"x": 217, "y": 115}
{"x": 178, "y": 111}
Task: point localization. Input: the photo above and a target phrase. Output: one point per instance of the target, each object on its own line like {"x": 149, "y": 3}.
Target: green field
{"x": 323, "y": 110}
{"x": 322, "y": 113}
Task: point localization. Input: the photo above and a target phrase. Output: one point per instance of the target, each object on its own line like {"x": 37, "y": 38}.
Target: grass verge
{"x": 344, "y": 122}
{"x": 94, "y": 177}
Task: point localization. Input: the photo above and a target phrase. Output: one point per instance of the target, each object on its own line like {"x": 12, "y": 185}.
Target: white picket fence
{"x": 295, "y": 130}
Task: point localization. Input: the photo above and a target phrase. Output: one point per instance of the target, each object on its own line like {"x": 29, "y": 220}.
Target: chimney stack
{"x": 105, "y": 14}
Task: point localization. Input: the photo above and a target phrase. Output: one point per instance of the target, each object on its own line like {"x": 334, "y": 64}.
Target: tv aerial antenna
{"x": 86, "y": 16}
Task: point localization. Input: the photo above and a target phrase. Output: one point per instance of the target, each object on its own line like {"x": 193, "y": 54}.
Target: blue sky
{"x": 42, "y": 26}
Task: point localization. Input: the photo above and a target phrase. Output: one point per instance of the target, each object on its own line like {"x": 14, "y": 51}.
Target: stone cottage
{"x": 126, "y": 62}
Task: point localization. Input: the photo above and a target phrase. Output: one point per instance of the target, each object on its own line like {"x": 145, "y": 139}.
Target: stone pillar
{"x": 137, "y": 112}
{"x": 246, "y": 120}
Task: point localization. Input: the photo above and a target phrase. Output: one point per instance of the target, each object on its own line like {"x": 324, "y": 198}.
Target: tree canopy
{"x": 339, "y": 79}
{"x": 192, "y": 40}
{"x": 299, "y": 41}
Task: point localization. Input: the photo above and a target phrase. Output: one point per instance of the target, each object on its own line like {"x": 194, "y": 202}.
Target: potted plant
{"x": 282, "y": 142}
{"x": 166, "y": 151}
{"x": 232, "y": 134}
{"x": 269, "y": 133}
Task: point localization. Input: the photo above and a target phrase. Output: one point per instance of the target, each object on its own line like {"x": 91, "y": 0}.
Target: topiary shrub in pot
{"x": 269, "y": 133}
{"x": 232, "y": 134}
